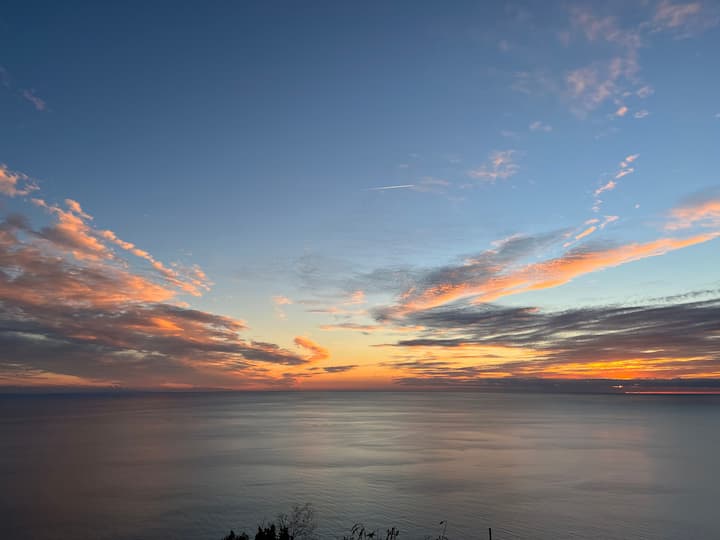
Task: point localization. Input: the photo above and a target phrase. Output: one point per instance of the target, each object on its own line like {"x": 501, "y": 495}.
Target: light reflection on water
{"x": 193, "y": 466}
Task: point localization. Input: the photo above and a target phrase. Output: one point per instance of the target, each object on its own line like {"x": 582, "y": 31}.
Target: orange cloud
{"x": 317, "y": 352}
{"x": 630, "y": 159}
{"x": 73, "y": 231}
{"x": 15, "y": 184}
{"x": 538, "y": 276}
{"x": 73, "y": 311}
{"x": 606, "y": 187}
{"x": 702, "y": 212}
{"x": 608, "y": 220}
{"x": 586, "y": 232}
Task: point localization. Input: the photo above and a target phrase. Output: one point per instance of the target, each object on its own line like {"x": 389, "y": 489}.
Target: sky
{"x": 352, "y": 195}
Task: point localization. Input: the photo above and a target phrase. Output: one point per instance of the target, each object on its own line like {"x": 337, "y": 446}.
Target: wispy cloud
{"x": 613, "y": 76}
{"x": 357, "y": 297}
{"x": 499, "y": 272}
{"x": 591, "y": 86}
{"x": 279, "y": 302}
{"x": 28, "y": 94}
{"x": 540, "y": 126}
{"x": 702, "y": 209}
{"x": 624, "y": 169}
{"x": 499, "y": 166}
{"x": 684, "y": 20}
{"x": 609, "y": 185}
{"x": 37, "y": 102}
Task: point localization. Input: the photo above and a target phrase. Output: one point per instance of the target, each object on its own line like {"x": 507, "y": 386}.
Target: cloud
{"x": 500, "y": 165}
{"x": 702, "y": 209}
{"x": 339, "y": 369}
{"x": 369, "y": 328}
{"x": 644, "y": 92}
{"x": 38, "y": 103}
{"x": 14, "y": 184}
{"x": 684, "y": 20}
{"x": 540, "y": 126}
{"x": 357, "y": 297}
{"x": 71, "y": 308}
{"x": 498, "y": 273}
{"x": 610, "y": 185}
{"x": 607, "y": 29}
{"x": 280, "y": 301}
{"x": 74, "y": 232}
{"x": 317, "y": 352}
{"x": 614, "y": 74}
{"x": 630, "y": 159}
{"x": 624, "y": 170}
{"x": 608, "y": 220}
{"x": 586, "y": 232}
{"x": 591, "y": 86}
{"x": 641, "y": 114}
{"x": 623, "y": 342}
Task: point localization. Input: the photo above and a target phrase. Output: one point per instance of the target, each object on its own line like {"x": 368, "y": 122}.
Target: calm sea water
{"x": 193, "y": 466}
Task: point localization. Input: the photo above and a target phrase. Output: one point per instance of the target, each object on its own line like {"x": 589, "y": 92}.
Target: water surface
{"x": 191, "y": 466}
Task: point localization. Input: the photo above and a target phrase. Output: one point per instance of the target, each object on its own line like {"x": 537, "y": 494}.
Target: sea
{"x": 195, "y": 465}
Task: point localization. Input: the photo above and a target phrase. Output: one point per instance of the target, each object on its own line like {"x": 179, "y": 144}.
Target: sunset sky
{"x": 358, "y": 194}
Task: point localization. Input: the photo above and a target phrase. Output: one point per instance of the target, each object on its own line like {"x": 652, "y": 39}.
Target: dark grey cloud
{"x": 661, "y": 337}
{"x": 339, "y": 369}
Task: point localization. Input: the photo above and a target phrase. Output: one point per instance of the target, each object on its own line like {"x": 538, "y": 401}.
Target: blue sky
{"x": 311, "y": 150}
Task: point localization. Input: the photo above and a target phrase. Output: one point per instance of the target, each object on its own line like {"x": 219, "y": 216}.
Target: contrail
{"x": 382, "y": 188}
